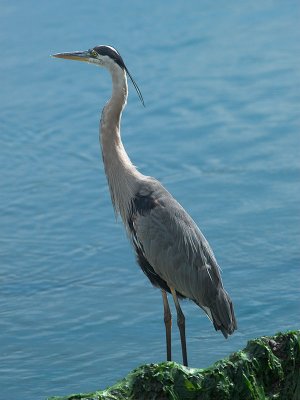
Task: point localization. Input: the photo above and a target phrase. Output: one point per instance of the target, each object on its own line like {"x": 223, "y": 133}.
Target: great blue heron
{"x": 170, "y": 248}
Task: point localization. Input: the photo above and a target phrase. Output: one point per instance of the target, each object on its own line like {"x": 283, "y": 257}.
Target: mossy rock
{"x": 268, "y": 368}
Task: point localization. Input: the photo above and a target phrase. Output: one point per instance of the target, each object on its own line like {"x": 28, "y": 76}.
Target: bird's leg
{"x": 168, "y": 323}
{"x": 181, "y": 326}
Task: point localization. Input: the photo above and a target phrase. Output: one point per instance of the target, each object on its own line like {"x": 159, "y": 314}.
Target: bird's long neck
{"x": 121, "y": 174}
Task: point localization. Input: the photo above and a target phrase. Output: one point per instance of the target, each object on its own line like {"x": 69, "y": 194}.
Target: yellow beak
{"x": 77, "y": 55}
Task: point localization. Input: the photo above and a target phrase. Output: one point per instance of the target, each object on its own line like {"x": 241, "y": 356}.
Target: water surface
{"x": 220, "y": 130}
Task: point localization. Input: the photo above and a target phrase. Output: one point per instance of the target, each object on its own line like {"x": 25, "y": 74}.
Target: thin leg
{"x": 181, "y": 326}
{"x": 168, "y": 323}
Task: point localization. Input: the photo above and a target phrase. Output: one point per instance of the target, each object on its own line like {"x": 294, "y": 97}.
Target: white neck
{"x": 122, "y": 176}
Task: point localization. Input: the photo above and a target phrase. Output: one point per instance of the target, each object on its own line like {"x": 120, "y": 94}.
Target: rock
{"x": 268, "y": 368}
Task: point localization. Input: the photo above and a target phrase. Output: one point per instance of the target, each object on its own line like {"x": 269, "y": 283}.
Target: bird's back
{"x": 173, "y": 252}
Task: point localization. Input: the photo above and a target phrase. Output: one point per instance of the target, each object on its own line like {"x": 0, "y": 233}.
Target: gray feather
{"x": 179, "y": 254}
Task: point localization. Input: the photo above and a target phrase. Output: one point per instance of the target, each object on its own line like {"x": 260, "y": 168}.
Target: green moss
{"x": 268, "y": 368}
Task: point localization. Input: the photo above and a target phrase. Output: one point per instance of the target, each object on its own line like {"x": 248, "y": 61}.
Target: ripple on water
{"x": 220, "y": 131}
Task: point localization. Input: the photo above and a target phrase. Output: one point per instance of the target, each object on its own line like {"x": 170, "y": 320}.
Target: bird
{"x": 170, "y": 248}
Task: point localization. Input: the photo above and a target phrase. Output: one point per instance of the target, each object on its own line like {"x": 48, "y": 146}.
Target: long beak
{"x": 77, "y": 55}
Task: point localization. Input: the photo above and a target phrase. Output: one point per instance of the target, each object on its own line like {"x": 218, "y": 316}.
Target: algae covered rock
{"x": 268, "y": 368}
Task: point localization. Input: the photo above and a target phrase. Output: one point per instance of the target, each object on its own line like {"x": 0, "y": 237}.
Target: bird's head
{"x": 103, "y": 56}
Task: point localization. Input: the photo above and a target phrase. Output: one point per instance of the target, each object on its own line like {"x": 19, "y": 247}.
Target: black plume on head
{"x": 115, "y": 56}
{"x": 111, "y": 53}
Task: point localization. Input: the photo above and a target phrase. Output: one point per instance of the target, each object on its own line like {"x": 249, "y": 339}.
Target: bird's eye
{"x": 94, "y": 53}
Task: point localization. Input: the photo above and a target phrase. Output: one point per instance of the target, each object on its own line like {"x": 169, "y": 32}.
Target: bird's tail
{"x": 222, "y": 314}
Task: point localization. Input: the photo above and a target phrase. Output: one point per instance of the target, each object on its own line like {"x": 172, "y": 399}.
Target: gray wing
{"x": 179, "y": 253}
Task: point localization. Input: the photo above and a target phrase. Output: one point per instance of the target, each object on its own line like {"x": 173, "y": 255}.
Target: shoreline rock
{"x": 268, "y": 368}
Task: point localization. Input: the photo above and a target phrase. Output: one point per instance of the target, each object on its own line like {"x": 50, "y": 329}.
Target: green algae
{"x": 268, "y": 368}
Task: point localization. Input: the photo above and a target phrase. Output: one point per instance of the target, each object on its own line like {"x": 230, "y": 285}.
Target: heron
{"x": 170, "y": 248}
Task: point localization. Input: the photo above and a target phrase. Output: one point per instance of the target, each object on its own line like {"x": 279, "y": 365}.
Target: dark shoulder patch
{"x": 143, "y": 204}
{"x": 112, "y": 53}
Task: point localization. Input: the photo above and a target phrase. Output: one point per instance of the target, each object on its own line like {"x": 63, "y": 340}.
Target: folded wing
{"x": 168, "y": 239}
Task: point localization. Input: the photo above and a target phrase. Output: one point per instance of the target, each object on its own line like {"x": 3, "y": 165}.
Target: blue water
{"x": 220, "y": 130}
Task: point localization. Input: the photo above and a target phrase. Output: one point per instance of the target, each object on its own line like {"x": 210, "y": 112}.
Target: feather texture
{"x": 177, "y": 253}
